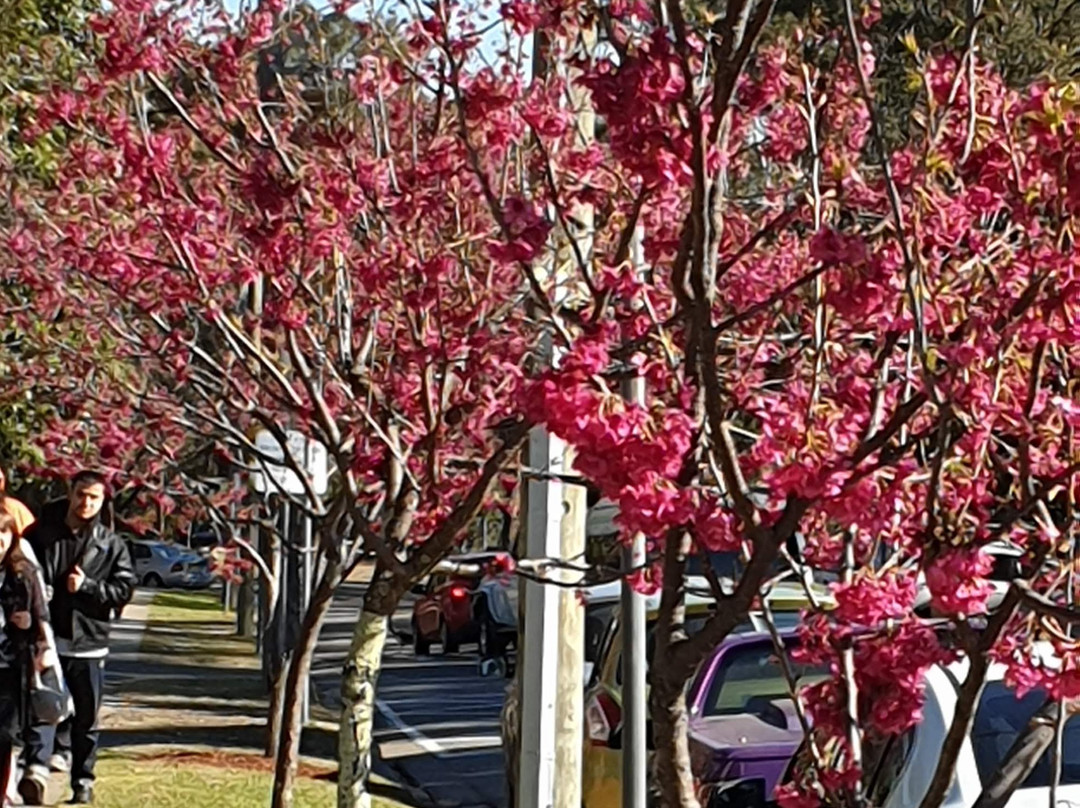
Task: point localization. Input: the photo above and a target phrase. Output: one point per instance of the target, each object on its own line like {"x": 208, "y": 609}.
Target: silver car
{"x": 159, "y": 564}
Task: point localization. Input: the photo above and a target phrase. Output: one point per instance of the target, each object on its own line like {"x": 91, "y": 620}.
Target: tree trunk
{"x": 673, "y": 776}
{"x": 245, "y": 607}
{"x": 279, "y": 666}
{"x": 959, "y": 730}
{"x": 288, "y": 747}
{"x": 358, "y": 708}
{"x": 273, "y": 661}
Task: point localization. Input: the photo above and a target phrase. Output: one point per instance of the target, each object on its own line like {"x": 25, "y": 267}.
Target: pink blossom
{"x": 957, "y": 583}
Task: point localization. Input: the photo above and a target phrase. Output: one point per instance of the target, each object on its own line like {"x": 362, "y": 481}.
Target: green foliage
{"x": 42, "y": 42}
{"x": 1025, "y": 39}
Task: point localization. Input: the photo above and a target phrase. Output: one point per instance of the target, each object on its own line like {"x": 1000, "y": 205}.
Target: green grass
{"x": 189, "y": 633}
{"x": 190, "y": 628}
{"x": 154, "y": 782}
{"x": 191, "y": 607}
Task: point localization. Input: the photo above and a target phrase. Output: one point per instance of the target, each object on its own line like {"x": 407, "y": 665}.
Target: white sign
{"x": 309, "y": 455}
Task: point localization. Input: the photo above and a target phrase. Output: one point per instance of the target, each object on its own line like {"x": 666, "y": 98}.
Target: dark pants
{"x": 79, "y": 734}
{"x": 86, "y": 681}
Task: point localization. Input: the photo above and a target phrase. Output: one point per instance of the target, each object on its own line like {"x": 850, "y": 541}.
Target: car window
{"x": 752, "y": 673}
{"x": 141, "y": 551}
{"x": 1000, "y": 718}
{"x": 725, "y": 565}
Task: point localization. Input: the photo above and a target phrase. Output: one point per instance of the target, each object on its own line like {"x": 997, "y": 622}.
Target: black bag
{"x": 50, "y": 699}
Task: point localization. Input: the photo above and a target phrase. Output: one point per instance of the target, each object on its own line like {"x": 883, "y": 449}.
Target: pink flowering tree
{"x": 249, "y": 231}
{"x": 863, "y": 354}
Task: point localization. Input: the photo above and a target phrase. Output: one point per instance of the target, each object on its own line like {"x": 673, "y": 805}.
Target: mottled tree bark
{"x": 358, "y": 682}
{"x": 674, "y": 777}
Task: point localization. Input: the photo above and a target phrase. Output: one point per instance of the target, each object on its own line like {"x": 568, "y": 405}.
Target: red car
{"x": 443, "y": 611}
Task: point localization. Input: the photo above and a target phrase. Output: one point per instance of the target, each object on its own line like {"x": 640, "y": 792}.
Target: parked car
{"x": 159, "y": 564}
{"x": 743, "y": 729}
{"x": 601, "y": 604}
{"x": 443, "y": 611}
{"x": 907, "y": 763}
{"x": 204, "y": 541}
{"x": 602, "y": 759}
{"x": 495, "y": 611}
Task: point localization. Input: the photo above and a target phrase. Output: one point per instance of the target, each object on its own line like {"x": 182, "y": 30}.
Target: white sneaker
{"x": 60, "y": 763}
{"x": 32, "y": 788}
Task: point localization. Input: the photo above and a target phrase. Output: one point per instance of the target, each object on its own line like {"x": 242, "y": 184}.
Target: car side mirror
{"x": 767, "y": 710}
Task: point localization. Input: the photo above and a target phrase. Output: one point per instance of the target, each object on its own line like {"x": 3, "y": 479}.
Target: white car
{"x": 907, "y": 765}
{"x": 159, "y": 564}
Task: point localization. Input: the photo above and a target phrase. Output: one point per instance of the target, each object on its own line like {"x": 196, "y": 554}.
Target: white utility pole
{"x": 551, "y": 650}
{"x": 570, "y": 679}
{"x": 538, "y": 656}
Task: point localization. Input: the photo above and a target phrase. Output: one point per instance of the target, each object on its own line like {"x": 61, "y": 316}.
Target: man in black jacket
{"x": 89, "y": 572}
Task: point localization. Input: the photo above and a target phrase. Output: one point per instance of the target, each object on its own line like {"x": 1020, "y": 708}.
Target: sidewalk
{"x": 183, "y": 720}
{"x": 178, "y": 675}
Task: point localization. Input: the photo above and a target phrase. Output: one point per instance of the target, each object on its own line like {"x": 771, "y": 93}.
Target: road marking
{"x": 412, "y": 733}
{"x": 430, "y": 745}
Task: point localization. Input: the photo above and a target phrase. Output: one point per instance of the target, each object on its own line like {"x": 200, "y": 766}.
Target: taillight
{"x": 458, "y": 593}
{"x": 602, "y": 717}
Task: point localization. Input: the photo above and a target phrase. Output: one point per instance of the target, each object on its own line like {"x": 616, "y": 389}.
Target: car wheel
{"x": 483, "y": 636}
{"x": 421, "y": 647}
{"x": 449, "y": 642}
{"x": 153, "y": 580}
{"x": 491, "y": 644}
{"x": 483, "y": 642}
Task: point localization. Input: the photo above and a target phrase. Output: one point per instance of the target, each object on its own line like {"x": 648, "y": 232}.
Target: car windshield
{"x": 999, "y": 719}
{"x": 752, "y": 674}
{"x": 694, "y": 624}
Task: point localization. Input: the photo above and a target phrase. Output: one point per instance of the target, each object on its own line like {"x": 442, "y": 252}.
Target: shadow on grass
{"x": 179, "y": 639}
{"x": 187, "y": 600}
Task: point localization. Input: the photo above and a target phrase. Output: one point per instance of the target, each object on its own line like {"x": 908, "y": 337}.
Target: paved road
{"x": 438, "y": 721}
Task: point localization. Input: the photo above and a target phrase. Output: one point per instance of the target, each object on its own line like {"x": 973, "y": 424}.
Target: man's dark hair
{"x": 89, "y": 477}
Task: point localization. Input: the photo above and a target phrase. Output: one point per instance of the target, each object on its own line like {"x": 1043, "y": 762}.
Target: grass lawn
{"x": 207, "y": 781}
{"x": 187, "y": 722}
{"x": 185, "y": 606}
{"x": 190, "y": 628}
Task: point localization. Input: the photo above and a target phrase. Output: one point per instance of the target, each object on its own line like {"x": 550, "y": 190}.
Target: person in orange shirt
{"x": 19, "y": 512}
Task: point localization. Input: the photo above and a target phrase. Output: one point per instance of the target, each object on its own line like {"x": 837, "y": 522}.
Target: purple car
{"x": 743, "y": 725}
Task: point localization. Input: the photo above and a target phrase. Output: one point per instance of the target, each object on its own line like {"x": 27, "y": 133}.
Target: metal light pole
{"x": 305, "y": 602}
{"x": 632, "y": 615}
